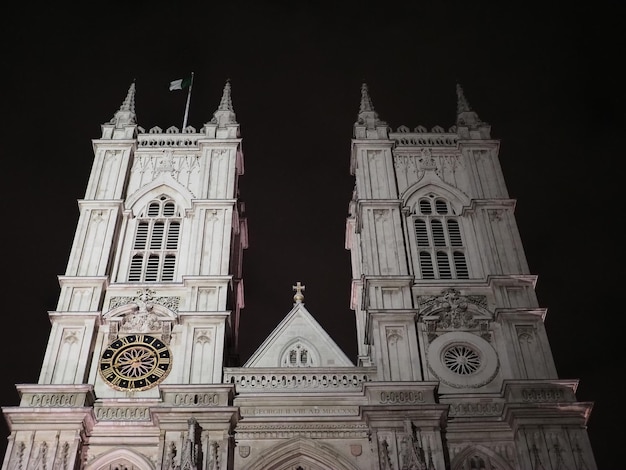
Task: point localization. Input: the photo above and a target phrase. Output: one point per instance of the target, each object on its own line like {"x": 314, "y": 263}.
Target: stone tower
{"x": 443, "y": 294}
{"x": 454, "y": 368}
{"x": 149, "y": 306}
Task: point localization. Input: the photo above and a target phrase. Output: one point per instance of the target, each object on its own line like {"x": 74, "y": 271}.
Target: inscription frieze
{"x": 300, "y": 410}
{"x": 308, "y": 430}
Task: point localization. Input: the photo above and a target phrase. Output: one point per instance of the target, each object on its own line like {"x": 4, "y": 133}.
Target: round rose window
{"x": 461, "y": 359}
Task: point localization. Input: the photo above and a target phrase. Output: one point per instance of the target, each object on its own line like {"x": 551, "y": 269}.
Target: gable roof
{"x": 299, "y": 328}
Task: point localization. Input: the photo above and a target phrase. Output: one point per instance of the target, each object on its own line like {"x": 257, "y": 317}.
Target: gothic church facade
{"x": 454, "y": 368}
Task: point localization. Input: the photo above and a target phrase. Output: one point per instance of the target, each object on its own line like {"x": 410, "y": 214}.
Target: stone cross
{"x": 298, "y": 288}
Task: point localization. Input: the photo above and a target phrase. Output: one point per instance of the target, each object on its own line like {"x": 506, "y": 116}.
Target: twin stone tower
{"x": 454, "y": 368}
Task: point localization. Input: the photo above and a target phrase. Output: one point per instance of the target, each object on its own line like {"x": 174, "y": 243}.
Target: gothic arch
{"x": 457, "y": 198}
{"x": 315, "y": 358}
{"x": 477, "y": 451}
{"x": 120, "y": 459}
{"x": 172, "y": 188}
{"x": 312, "y": 454}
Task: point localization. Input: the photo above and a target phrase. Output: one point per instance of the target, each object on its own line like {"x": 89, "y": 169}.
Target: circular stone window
{"x": 461, "y": 359}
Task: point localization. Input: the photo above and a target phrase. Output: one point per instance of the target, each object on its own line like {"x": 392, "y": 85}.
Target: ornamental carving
{"x": 53, "y": 400}
{"x": 178, "y": 167}
{"x": 475, "y": 409}
{"x": 495, "y": 215}
{"x": 251, "y": 381}
{"x": 413, "y": 455}
{"x": 396, "y": 397}
{"x": 106, "y": 413}
{"x": 196, "y": 399}
{"x": 384, "y": 457}
{"x": 244, "y": 451}
{"x": 453, "y": 311}
{"x": 426, "y": 161}
{"x": 394, "y": 335}
{"x": 146, "y": 295}
{"x": 538, "y": 395}
{"x": 142, "y": 318}
{"x": 191, "y": 458}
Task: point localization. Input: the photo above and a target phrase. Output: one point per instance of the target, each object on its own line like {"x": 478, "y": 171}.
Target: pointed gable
{"x": 299, "y": 341}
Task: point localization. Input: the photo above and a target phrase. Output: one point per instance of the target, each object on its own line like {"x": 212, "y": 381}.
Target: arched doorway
{"x": 301, "y": 454}
{"x": 120, "y": 459}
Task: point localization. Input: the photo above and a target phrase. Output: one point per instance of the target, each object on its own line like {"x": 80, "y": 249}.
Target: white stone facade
{"x": 454, "y": 367}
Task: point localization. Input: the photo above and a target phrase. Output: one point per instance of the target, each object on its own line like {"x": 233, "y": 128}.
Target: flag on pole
{"x": 180, "y": 83}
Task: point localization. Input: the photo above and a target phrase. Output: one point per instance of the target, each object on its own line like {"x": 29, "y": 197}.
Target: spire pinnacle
{"x": 225, "y": 114}
{"x": 368, "y": 117}
{"x": 126, "y": 114}
{"x": 467, "y": 121}
{"x": 226, "y": 103}
{"x": 366, "y": 101}
{"x": 462, "y": 106}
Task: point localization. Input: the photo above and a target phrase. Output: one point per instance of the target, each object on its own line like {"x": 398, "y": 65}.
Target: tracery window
{"x": 440, "y": 248}
{"x": 297, "y": 356}
{"x": 155, "y": 246}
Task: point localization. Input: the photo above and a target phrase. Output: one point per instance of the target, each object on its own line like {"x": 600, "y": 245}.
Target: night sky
{"x": 545, "y": 79}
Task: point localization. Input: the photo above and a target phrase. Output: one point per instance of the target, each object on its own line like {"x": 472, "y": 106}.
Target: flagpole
{"x": 187, "y": 106}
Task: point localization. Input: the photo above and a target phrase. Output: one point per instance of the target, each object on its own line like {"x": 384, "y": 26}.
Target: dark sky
{"x": 546, "y": 79}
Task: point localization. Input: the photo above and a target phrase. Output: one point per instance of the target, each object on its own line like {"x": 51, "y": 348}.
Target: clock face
{"x": 135, "y": 362}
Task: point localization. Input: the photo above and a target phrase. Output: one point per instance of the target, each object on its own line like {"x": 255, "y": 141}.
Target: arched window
{"x": 426, "y": 265}
{"x": 441, "y": 251}
{"x": 297, "y": 356}
{"x": 155, "y": 247}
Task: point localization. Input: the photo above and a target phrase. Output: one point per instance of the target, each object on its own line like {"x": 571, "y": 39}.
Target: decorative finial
{"x": 467, "y": 121}
{"x": 129, "y": 101}
{"x": 368, "y": 116}
{"x": 462, "y": 106}
{"x": 366, "y": 101}
{"x": 225, "y": 114}
{"x": 299, "y": 297}
{"x": 226, "y": 103}
{"x": 126, "y": 114}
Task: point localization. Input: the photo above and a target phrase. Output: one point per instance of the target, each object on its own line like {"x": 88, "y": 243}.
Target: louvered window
{"x": 421, "y": 233}
{"x": 460, "y": 265}
{"x": 454, "y": 232}
{"x": 443, "y": 264}
{"x": 438, "y": 236}
{"x": 426, "y": 265}
{"x": 441, "y": 252}
{"x": 155, "y": 248}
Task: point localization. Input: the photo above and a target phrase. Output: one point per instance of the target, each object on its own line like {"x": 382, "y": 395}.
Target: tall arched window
{"x": 155, "y": 247}
{"x": 441, "y": 252}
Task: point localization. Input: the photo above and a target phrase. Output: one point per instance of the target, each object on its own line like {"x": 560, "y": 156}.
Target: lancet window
{"x": 155, "y": 246}
{"x": 440, "y": 247}
{"x": 297, "y": 356}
